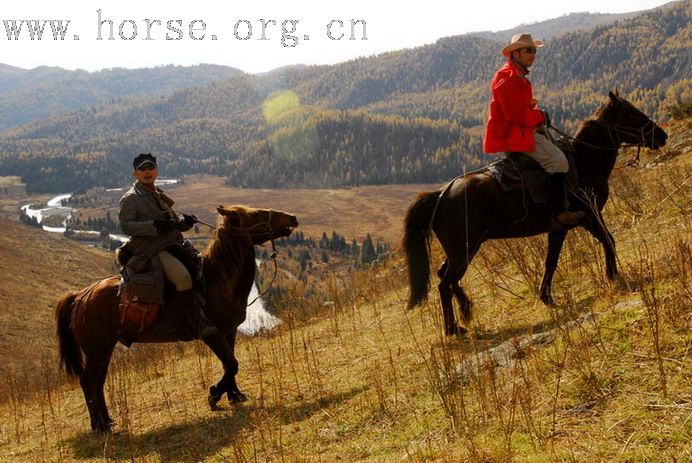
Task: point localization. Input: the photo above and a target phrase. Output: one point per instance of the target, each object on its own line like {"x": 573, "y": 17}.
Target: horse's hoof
{"x": 213, "y": 398}
{"x": 547, "y": 299}
{"x": 458, "y": 331}
{"x": 236, "y": 397}
{"x": 102, "y": 428}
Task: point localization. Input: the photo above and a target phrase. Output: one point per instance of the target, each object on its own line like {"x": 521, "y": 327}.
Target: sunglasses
{"x": 147, "y": 167}
{"x": 531, "y": 51}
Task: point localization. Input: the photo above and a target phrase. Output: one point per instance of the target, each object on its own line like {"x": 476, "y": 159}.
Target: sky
{"x": 254, "y": 36}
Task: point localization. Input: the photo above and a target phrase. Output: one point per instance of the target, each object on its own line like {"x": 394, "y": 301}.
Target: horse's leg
{"x": 101, "y": 399}
{"x": 449, "y": 285}
{"x": 443, "y": 268}
{"x": 92, "y": 380}
{"x": 234, "y": 394}
{"x": 222, "y": 347}
{"x": 595, "y": 225}
{"x": 445, "y": 291}
{"x": 555, "y": 240}
{"x": 464, "y": 302}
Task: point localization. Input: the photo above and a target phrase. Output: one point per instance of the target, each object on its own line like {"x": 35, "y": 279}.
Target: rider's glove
{"x": 164, "y": 225}
{"x": 188, "y": 221}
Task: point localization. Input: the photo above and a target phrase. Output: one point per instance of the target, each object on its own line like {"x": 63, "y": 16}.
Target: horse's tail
{"x": 70, "y": 352}
{"x": 416, "y": 244}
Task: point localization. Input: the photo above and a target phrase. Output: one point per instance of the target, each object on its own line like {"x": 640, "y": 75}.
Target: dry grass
{"x": 369, "y": 381}
{"x": 36, "y": 268}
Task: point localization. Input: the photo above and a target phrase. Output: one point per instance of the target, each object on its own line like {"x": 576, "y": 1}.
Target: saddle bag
{"x": 135, "y": 314}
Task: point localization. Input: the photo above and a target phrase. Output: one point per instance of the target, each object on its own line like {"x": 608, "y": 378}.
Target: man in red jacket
{"x": 514, "y": 120}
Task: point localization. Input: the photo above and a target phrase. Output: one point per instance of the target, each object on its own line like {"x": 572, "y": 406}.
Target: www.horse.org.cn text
{"x": 288, "y": 32}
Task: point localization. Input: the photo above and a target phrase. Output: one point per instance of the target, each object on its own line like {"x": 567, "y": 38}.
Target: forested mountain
{"x": 30, "y": 94}
{"x": 571, "y": 22}
{"x": 407, "y": 116}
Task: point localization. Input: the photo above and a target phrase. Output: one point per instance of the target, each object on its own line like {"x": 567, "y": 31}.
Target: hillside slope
{"x": 359, "y": 378}
{"x": 36, "y": 268}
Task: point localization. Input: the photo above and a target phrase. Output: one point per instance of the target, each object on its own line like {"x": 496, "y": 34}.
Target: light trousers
{"x": 549, "y": 156}
{"x": 175, "y": 271}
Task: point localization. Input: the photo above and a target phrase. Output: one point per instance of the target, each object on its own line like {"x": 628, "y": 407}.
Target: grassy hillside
{"x": 362, "y": 379}
{"x": 36, "y": 267}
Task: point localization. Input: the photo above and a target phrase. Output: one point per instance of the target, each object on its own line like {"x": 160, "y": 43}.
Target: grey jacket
{"x": 138, "y": 210}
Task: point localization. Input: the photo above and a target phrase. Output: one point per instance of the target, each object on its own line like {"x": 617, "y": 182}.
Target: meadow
{"x": 363, "y": 379}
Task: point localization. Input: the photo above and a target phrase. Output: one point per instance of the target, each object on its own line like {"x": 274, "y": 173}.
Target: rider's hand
{"x": 188, "y": 221}
{"x": 164, "y": 225}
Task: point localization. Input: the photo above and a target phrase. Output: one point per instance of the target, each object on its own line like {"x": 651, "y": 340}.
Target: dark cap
{"x": 142, "y": 159}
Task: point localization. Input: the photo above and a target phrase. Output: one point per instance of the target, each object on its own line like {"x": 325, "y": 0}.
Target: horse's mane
{"x": 226, "y": 253}
{"x": 593, "y": 119}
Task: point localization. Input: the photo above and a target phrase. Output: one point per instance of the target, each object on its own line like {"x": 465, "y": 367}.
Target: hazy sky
{"x": 151, "y": 33}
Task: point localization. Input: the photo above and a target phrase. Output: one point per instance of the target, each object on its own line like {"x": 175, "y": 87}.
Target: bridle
{"x": 614, "y": 133}
{"x": 643, "y": 133}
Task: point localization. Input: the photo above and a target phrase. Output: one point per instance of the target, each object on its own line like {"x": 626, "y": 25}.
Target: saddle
{"x": 519, "y": 172}
{"x": 143, "y": 287}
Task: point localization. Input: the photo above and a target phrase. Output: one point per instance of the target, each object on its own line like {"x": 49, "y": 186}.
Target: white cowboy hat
{"x": 521, "y": 41}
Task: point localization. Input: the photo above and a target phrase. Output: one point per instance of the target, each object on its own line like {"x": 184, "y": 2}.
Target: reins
{"x": 617, "y": 142}
{"x": 271, "y": 283}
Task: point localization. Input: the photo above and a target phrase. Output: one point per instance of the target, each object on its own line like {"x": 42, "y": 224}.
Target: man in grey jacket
{"x": 146, "y": 215}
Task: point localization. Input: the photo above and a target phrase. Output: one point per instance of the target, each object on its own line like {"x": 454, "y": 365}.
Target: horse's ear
{"x": 614, "y": 97}
{"x": 617, "y": 92}
{"x": 231, "y": 214}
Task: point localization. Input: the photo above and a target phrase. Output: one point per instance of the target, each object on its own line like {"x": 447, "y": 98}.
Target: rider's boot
{"x": 562, "y": 217}
{"x": 198, "y": 325}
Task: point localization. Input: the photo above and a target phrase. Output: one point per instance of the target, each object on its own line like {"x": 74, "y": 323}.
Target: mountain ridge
{"x": 223, "y": 128}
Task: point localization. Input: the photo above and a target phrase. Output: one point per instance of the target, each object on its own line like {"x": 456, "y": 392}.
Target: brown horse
{"x": 88, "y": 320}
{"x": 474, "y": 209}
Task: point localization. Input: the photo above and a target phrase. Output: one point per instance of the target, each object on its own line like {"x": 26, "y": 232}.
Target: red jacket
{"x": 511, "y": 117}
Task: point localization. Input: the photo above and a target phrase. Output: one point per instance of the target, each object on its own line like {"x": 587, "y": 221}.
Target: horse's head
{"x": 260, "y": 225}
{"x": 630, "y": 124}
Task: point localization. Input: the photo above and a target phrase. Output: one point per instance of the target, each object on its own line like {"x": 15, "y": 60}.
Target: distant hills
{"x": 30, "y": 94}
{"x": 553, "y": 27}
{"x": 407, "y": 116}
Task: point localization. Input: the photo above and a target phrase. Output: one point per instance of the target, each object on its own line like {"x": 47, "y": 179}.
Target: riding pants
{"x": 549, "y": 156}
{"x": 175, "y": 271}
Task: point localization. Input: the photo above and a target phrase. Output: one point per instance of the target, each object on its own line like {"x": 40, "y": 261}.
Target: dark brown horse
{"x": 88, "y": 320}
{"x": 474, "y": 209}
